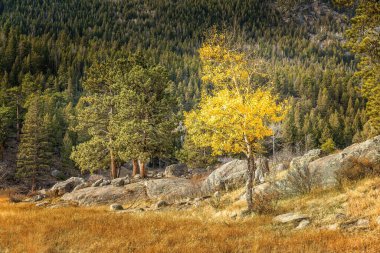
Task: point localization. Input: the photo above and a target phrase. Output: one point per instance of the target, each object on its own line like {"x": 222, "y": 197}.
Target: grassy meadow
{"x": 27, "y": 228}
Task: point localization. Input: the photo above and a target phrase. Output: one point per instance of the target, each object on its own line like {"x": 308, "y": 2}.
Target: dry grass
{"x": 25, "y": 228}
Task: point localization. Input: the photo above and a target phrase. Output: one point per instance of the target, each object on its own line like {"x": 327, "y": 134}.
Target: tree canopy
{"x": 237, "y": 115}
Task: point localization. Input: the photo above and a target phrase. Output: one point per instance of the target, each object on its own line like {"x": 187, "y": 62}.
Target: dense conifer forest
{"x": 48, "y": 48}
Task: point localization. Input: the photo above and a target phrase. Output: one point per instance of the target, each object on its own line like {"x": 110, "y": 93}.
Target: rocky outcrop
{"x": 229, "y": 175}
{"x": 366, "y": 153}
{"x": 303, "y": 161}
{"x": 61, "y": 188}
{"x": 176, "y": 170}
{"x": 107, "y": 194}
{"x": 170, "y": 188}
{"x": 165, "y": 188}
{"x": 120, "y": 181}
{"x": 233, "y": 174}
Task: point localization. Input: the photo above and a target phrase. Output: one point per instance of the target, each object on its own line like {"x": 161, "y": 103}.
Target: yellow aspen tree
{"x": 236, "y": 117}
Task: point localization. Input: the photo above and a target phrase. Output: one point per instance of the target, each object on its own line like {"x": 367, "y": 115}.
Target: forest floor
{"x": 27, "y": 228}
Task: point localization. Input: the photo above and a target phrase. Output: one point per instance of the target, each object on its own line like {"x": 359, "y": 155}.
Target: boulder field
{"x": 228, "y": 176}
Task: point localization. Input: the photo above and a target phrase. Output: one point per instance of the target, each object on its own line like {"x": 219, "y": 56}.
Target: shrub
{"x": 300, "y": 181}
{"x": 328, "y": 146}
{"x": 265, "y": 202}
{"x": 357, "y": 169}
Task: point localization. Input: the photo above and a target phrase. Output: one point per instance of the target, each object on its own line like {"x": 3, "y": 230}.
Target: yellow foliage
{"x": 228, "y": 67}
{"x": 236, "y": 117}
{"x": 227, "y": 122}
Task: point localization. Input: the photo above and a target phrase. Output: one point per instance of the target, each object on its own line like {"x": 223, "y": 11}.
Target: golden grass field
{"x": 26, "y": 228}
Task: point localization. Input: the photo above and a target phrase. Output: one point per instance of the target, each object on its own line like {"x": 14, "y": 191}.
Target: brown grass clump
{"x": 363, "y": 199}
{"x": 26, "y": 228}
{"x": 356, "y": 170}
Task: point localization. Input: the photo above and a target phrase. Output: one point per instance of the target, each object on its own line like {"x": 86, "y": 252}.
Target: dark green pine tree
{"x": 34, "y": 154}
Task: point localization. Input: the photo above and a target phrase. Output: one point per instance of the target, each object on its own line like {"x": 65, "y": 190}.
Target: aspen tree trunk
{"x": 135, "y": 167}
{"x": 113, "y": 166}
{"x": 249, "y": 185}
{"x": 251, "y": 168}
{"x": 142, "y": 169}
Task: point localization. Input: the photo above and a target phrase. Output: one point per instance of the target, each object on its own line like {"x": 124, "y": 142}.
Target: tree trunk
{"x": 249, "y": 185}
{"x": 33, "y": 183}
{"x": 113, "y": 166}
{"x": 135, "y": 167}
{"x": 2, "y": 151}
{"x": 142, "y": 169}
{"x": 18, "y": 128}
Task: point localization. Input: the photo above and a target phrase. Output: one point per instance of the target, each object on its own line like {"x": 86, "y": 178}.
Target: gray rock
{"x": 327, "y": 167}
{"x": 38, "y": 197}
{"x": 81, "y": 186}
{"x": 58, "y": 174}
{"x": 35, "y": 198}
{"x": 303, "y": 224}
{"x": 160, "y": 204}
{"x": 169, "y": 187}
{"x": 107, "y": 195}
{"x": 358, "y": 223}
{"x": 118, "y": 182}
{"x": 364, "y": 223}
{"x": 61, "y": 188}
{"x": 42, "y": 204}
{"x": 137, "y": 176}
{"x": 97, "y": 182}
{"x": 233, "y": 175}
{"x": 290, "y": 217}
{"x": 303, "y": 161}
{"x": 176, "y": 170}
{"x": 229, "y": 175}
{"x": 105, "y": 182}
{"x": 160, "y": 175}
{"x": 116, "y": 207}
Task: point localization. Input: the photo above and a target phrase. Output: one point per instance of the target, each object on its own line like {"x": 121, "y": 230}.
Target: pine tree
{"x": 67, "y": 147}
{"x": 95, "y": 118}
{"x": 147, "y": 115}
{"x": 5, "y": 124}
{"x": 34, "y": 154}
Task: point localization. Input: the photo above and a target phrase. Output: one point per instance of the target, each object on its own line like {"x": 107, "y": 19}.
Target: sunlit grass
{"x": 26, "y": 228}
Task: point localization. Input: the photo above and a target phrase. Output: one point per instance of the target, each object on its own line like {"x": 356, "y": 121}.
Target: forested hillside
{"x": 47, "y": 47}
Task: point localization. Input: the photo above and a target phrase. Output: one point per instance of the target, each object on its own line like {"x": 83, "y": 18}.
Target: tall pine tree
{"x": 34, "y": 154}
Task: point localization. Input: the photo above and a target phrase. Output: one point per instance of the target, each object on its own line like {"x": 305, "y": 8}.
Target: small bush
{"x": 357, "y": 169}
{"x": 328, "y": 146}
{"x": 301, "y": 181}
{"x": 16, "y": 197}
{"x": 265, "y": 202}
